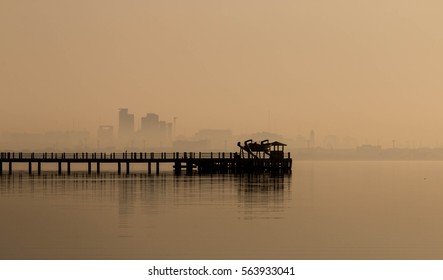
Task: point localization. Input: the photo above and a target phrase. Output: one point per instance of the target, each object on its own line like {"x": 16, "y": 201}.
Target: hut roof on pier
{"x": 276, "y": 143}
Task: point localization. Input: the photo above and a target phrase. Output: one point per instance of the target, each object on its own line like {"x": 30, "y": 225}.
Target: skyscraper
{"x": 155, "y": 133}
{"x": 150, "y": 124}
{"x": 125, "y": 124}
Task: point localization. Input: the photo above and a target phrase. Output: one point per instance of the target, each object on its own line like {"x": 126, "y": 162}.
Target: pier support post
{"x": 189, "y": 167}
{"x": 127, "y": 168}
{"x": 39, "y": 168}
{"x": 69, "y": 168}
{"x": 177, "y": 168}
{"x": 98, "y": 167}
{"x": 119, "y": 168}
{"x": 149, "y": 168}
{"x": 157, "y": 170}
{"x": 30, "y": 168}
{"x": 89, "y": 168}
{"x": 10, "y": 168}
{"x": 59, "y": 168}
{"x": 1, "y": 168}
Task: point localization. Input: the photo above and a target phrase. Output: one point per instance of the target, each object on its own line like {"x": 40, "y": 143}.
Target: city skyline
{"x": 147, "y": 130}
{"x": 183, "y": 130}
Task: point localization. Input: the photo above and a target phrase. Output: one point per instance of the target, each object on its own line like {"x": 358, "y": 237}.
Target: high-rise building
{"x": 125, "y": 124}
{"x": 154, "y": 132}
{"x": 150, "y": 124}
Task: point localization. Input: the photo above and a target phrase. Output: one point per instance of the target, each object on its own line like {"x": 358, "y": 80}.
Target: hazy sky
{"x": 369, "y": 69}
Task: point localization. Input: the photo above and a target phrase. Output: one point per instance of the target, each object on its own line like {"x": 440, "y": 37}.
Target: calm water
{"x": 325, "y": 210}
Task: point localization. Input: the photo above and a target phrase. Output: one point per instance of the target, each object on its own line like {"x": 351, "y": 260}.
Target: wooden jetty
{"x": 263, "y": 157}
{"x": 202, "y": 163}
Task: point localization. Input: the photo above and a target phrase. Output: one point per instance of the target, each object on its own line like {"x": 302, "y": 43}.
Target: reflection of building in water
{"x": 304, "y": 190}
{"x": 262, "y": 182}
{"x": 79, "y": 186}
{"x": 127, "y": 190}
{"x": 141, "y": 194}
{"x": 153, "y": 193}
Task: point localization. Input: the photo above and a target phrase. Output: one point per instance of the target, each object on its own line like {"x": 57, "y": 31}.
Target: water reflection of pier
{"x": 263, "y": 196}
{"x": 257, "y": 195}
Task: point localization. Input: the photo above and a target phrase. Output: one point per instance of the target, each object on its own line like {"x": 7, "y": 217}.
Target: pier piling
{"x": 189, "y": 166}
{"x": 177, "y": 168}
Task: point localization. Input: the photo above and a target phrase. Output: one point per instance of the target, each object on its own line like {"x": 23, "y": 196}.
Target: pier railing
{"x": 119, "y": 156}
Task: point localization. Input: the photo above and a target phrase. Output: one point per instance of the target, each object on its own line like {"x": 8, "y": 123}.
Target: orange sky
{"x": 368, "y": 69}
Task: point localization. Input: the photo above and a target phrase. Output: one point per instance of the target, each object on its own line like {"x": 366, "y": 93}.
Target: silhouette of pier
{"x": 190, "y": 163}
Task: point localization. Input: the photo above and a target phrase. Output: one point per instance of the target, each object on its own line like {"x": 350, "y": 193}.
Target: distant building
{"x": 125, "y": 124}
{"x": 217, "y": 138}
{"x": 191, "y": 146}
{"x": 169, "y": 131}
{"x": 331, "y": 142}
{"x": 266, "y": 135}
{"x": 369, "y": 151}
{"x": 301, "y": 142}
{"x": 73, "y": 140}
{"x": 349, "y": 143}
{"x": 375, "y": 149}
{"x": 67, "y": 139}
{"x": 162, "y": 133}
{"x": 150, "y": 124}
{"x": 312, "y": 139}
{"x": 155, "y": 132}
{"x": 105, "y": 136}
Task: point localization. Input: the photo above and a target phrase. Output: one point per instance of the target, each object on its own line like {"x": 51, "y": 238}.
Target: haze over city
{"x": 365, "y": 69}
{"x": 253, "y": 130}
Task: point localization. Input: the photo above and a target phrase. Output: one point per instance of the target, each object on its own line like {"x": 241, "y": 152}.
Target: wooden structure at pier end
{"x": 253, "y": 157}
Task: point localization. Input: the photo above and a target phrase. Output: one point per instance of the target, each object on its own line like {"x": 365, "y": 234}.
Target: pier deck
{"x": 202, "y": 163}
